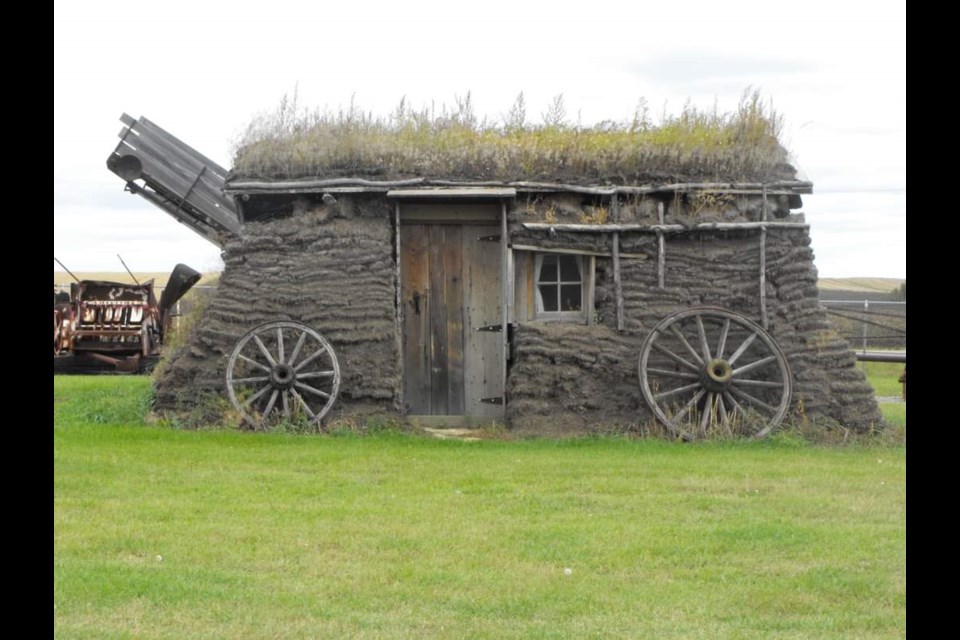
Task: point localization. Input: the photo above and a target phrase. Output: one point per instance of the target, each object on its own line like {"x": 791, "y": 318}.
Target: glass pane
{"x": 548, "y": 269}
{"x": 570, "y": 297}
{"x": 549, "y": 295}
{"x": 569, "y": 269}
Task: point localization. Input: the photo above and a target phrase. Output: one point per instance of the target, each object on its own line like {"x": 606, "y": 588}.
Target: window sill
{"x": 568, "y": 317}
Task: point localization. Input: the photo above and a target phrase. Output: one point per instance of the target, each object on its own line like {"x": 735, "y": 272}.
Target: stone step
{"x": 466, "y": 435}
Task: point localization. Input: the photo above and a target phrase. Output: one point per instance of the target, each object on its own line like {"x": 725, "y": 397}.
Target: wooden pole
{"x": 763, "y": 265}
{"x": 617, "y": 285}
{"x": 398, "y": 320}
{"x": 661, "y": 249}
{"x": 663, "y": 228}
{"x": 592, "y": 283}
{"x": 504, "y": 292}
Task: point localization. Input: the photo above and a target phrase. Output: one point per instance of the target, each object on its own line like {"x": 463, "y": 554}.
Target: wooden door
{"x": 450, "y": 290}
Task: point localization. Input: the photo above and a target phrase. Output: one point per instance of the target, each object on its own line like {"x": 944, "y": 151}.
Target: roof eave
{"x": 241, "y": 187}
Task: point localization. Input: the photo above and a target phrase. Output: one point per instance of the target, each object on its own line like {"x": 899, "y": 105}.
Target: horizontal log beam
{"x": 577, "y": 252}
{"x": 663, "y": 228}
{"x": 882, "y": 356}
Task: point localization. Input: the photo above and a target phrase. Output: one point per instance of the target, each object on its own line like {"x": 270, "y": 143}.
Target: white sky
{"x": 201, "y": 69}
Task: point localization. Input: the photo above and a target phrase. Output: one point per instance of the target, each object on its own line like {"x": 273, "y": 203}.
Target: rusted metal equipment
{"x": 114, "y": 326}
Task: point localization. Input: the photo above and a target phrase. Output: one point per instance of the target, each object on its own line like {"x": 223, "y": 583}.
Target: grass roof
{"x": 695, "y": 145}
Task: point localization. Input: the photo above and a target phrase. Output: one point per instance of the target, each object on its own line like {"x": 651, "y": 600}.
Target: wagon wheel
{"x": 282, "y": 371}
{"x": 710, "y": 372}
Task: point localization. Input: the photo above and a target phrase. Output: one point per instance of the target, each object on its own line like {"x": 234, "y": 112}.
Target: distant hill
{"x": 879, "y": 289}
{"x": 865, "y": 285}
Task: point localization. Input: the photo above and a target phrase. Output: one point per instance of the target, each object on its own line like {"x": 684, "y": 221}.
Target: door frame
{"x": 460, "y": 195}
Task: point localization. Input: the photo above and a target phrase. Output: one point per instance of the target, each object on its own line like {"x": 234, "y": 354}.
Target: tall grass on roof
{"x": 452, "y": 143}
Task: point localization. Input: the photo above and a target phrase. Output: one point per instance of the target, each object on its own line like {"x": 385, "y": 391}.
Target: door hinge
{"x": 492, "y": 400}
{"x": 493, "y": 238}
{"x": 491, "y": 327}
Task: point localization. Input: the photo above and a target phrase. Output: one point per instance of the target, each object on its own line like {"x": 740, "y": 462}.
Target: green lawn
{"x": 160, "y": 533}
{"x": 884, "y": 376}
{"x": 885, "y": 379}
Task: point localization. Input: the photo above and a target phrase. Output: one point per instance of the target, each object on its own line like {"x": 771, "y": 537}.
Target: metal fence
{"x": 869, "y": 324}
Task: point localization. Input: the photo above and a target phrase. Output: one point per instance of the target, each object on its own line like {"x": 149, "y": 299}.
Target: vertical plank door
{"x": 450, "y": 288}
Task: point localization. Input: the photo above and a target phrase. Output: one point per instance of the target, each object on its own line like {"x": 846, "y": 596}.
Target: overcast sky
{"x": 202, "y": 69}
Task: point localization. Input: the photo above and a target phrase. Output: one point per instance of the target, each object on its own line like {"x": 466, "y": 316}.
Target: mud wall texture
{"x": 330, "y": 267}
{"x": 591, "y": 374}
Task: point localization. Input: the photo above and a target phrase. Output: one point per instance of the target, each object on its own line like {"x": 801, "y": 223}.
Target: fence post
{"x": 866, "y": 307}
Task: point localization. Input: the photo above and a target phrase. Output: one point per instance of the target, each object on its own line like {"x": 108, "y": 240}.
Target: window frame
{"x": 539, "y": 312}
{"x": 527, "y": 304}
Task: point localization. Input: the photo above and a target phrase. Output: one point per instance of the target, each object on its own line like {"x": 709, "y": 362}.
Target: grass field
{"x": 885, "y": 379}
{"x": 160, "y": 533}
{"x": 879, "y": 285}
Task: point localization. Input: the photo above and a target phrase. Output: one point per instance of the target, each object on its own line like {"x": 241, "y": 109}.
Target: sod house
{"x": 550, "y": 279}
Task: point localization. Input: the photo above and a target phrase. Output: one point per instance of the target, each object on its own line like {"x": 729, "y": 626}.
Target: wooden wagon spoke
{"x": 308, "y": 388}
{"x": 722, "y": 409}
{"x": 669, "y": 373}
{"x": 737, "y": 407}
{"x": 677, "y": 391}
{"x": 686, "y": 345}
{"x": 722, "y": 345}
{"x": 674, "y": 357}
{"x": 303, "y": 403}
{"x": 690, "y": 405}
{"x": 753, "y": 365}
{"x": 279, "y": 345}
{"x": 702, "y": 333}
{"x": 257, "y": 395}
{"x": 253, "y": 362}
{"x": 286, "y": 404}
{"x": 743, "y": 347}
{"x": 316, "y": 374}
{"x": 707, "y": 410}
{"x": 263, "y": 350}
{"x": 766, "y": 384}
{"x": 250, "y": 380}
{"x": 296, "y": 349}
{"x": 316, "y": 355}
{"x": 752, "y": 400}
{"x": 271, "y": 403}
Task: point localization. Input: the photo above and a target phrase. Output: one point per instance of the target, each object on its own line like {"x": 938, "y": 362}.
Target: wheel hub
{"x": 283, "y": 376}
{"x": 716, "y": 375}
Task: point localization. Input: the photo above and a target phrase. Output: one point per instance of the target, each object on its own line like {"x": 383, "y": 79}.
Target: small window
{"x": 559, "y": 287}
